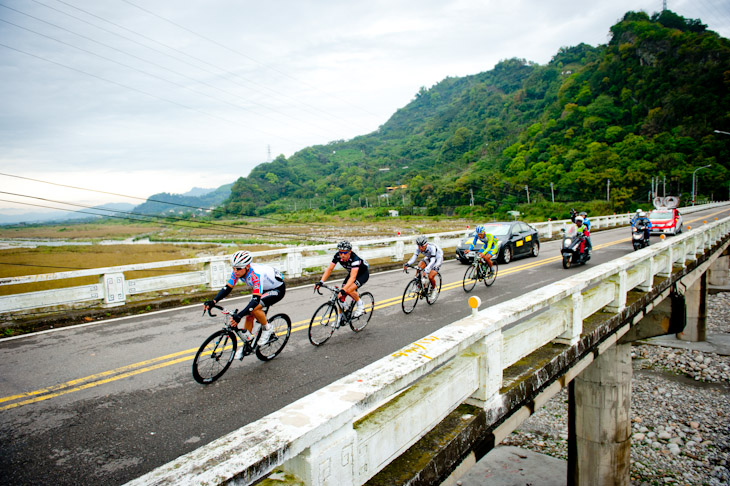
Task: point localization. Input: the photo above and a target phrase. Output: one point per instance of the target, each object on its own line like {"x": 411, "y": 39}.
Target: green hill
{"x": 178, "y": 204}
{"x": 644, "y": 105}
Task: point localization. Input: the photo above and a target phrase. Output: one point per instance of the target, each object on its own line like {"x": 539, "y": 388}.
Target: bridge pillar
{"x": 696, "y": 299}
{"x": 599, "y": 422}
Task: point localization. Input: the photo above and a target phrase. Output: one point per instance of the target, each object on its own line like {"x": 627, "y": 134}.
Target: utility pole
{"x": 471, "y": 201}
{"x": 552, "y": 192}
{"x": 608, "y": 190}
{"x": 665, "y": 187}
{"x": 527, "y": 189}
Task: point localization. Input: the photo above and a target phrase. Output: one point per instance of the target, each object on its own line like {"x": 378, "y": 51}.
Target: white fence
{"x": 113, "y": 288}
{"x": 347, "y": 432}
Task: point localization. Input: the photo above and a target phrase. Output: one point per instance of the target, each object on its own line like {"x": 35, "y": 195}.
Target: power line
{"x": 240, "y": 53}
{"x": 198, "y": 60}
{"x": 223, "y": 211}
{"x": 156, "y": 219}
{"x": 146, "y": 73}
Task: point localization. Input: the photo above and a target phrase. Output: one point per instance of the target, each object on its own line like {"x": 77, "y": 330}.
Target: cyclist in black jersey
{"x": 359, "y": 273}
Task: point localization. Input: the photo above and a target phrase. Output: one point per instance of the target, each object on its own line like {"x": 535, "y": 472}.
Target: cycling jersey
{"x": 260, "y": 278}
{"x": 353, "y": 262}
{"x": 490, "y": 243}
{"x": 432, "y": 255}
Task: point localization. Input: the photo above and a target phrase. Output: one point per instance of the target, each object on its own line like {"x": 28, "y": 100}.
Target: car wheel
{"x": 535, "y": 248}
{"x": 506, "y": 255}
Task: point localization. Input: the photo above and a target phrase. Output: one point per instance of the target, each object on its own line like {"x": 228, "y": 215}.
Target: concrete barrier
{"x": 114, "y": 288}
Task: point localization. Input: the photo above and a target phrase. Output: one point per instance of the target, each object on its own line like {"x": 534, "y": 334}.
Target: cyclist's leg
{"x": 488, "y": 258}
{"x": 351, "y": 289}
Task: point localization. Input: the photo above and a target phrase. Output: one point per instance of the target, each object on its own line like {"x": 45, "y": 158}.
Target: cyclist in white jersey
{"x": 433, "y": 257}
{"x": 267, "y": 288}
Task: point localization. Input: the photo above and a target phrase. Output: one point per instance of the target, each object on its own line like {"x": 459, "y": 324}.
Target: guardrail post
{"x": 114, "y": 292}
{"x": 294, "y": 264}
{"x": 328, "y": 461}
{"x": 573, "y": 307}
{"x": 619, "y": 302}
{"x": 400, "y": 249}
{"x": 217, "y": 273}
{"x": 489, "y": 350}
{"x": 647, "y": 284}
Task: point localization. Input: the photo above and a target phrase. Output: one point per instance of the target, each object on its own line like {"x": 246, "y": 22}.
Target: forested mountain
{"x": 645, "y": 105}
{"x": 166, "y": 203}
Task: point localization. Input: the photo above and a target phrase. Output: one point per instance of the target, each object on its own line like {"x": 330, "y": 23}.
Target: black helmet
{"x": 344, "y": 245}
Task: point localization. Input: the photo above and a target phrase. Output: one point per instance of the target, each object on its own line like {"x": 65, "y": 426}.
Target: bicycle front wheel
{"x": 470, "y": 278}
{"x": 433, "y": 295}
{"x": 357, "y": 324}
{"x": 410, "y": 296}
{"x": 491, "y": 277}
{"x": 214, "y": 356}
{"x": 323, "y": 323}
{"x": 280, "y": 331}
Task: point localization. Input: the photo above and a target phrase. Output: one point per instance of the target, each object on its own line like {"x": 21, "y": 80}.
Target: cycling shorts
{"x": 271, "y": 297}
{"x": 490, "y": 252}
{"x": 362, "y": 276}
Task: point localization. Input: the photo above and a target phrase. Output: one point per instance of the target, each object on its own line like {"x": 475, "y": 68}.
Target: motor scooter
{"x": 639, "y": 236}
{"x": 571, "y": 248}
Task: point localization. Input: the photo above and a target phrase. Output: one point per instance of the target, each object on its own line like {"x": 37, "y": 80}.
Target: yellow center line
{"x": 175, "y": 358}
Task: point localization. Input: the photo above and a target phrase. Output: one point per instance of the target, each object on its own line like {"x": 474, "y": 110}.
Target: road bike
{"x": 420, "y": 288}
{"x": 217, "y": 352}
{"x": 334, "y": 314}
{"x": 479, "y": 271}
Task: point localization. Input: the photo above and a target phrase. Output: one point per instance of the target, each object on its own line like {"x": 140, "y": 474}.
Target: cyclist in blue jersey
{"x": 267, "y": 288}
{"x": 359, "y": 273}
{"x": 491, "y": 245}
{"x": 433, "y": 258}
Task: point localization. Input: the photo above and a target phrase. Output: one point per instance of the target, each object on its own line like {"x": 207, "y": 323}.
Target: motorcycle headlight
{"x": 566, "y": 242}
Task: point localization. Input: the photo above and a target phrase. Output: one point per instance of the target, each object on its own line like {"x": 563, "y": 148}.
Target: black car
{"x": 516, "y": 239}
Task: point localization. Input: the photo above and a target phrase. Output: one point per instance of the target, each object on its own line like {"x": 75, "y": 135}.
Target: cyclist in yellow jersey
{"x": 491, "y": 245}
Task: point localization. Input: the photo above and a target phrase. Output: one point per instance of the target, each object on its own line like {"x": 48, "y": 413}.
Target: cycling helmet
{"x": 480, "y": 229}
{"x": 579, "y": 221}
{"x": 421, "y": 241}
{"x": 240, "y": 259}
{"x": 639, "y": 211}
{"x": 583, "y": 213}
{"x": 642, "y": 214}
{"x": 344, "y": 245}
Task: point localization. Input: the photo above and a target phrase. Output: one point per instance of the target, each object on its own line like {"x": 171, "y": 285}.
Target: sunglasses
{"x": 344, "y": 252}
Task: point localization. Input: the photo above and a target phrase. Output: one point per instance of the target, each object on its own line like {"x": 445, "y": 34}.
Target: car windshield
{"x": 661, "y": 215}
{"x": 495, "y": 230}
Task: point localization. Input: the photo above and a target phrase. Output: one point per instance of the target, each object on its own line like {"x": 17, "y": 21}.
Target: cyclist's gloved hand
{"x": 236, "y": 318}
{"x": 209, "y": 303}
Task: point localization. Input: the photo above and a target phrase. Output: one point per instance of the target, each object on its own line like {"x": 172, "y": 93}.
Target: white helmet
{"x": 639, "y": 211}
{"x": 642, "y": 214}
{"x": 579, "y": 221}
{"x": 240, "y": 259}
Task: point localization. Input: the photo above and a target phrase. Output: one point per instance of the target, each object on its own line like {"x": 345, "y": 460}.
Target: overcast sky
{"x": 136, "y": 98}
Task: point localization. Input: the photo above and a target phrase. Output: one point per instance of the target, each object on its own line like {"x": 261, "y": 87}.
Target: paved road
{"x": 107, "y": 402}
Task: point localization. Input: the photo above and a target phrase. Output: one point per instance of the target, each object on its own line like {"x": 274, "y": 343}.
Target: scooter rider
{"x": 582, "y": 229}
{"x": 641, "y": 218}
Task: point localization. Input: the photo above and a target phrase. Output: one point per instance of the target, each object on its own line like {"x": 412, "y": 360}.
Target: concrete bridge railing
{"x": 113, "y": 287}
{"x": 347, "y": 432}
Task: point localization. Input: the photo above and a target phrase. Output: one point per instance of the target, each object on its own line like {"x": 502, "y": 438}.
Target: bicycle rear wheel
{"x": 489, "y": 278}
{"x": 280, "y": 331}
{"x": 214, "y": 356}
{"x": 470, "y": 278}
{"x": 357, "y": 324}
{"x": 323, "y": 323}
{"x": 433, "y": 296}
{"x": 411, "y": 296}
